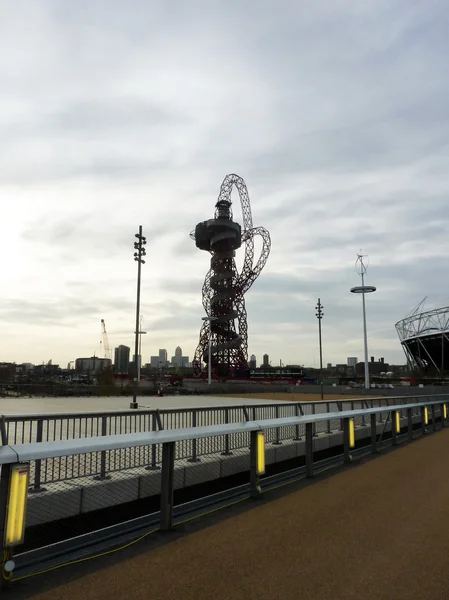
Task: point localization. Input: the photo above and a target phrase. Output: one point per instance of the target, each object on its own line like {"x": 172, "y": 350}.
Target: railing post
{"x": 154, "y": 427}
{"x": 314, "y": 424}
{"x": 340, "y": 408}
{"x": 226, "y": 451}
{"x": 277, "y": 441}
{"x": 168, "y": 469}
{"x": 309, "y": 450}
{"x": 346, "y": 445}
{"x": 104, "y": 431}
{"x": 37, "y": 464}
{"x": 194, "y": 458}
{"x": 373, "y": 433}
{"x": 298, "y": 413}
{"x": 328, "y": 424}
{"x": 434, "y": 418}
{"x": 3, "y": 431}
{"x": 394, "y": 435}
{"x": 253, "y": 477}
{"x": 410, "y": 424}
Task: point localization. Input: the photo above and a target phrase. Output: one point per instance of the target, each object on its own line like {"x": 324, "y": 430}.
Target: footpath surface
{"x": 374, "y": 531}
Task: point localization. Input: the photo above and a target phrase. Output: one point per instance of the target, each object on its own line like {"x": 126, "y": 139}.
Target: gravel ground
{"x": 372, "y": 531}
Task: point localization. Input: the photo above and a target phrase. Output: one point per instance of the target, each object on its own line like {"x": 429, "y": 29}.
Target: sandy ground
{"x": 292, "y": 397}
{"x": 39, "y": 405}
{"x": 373, "y": 531}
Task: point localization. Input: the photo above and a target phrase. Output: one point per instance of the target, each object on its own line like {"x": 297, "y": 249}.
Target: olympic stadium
{"x": 424, "y": 336}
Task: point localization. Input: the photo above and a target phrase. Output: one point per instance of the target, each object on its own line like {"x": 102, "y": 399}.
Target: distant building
{"x": 178, "y": 356}
{"x": 160, "y": 361}
{"x": 92, "y": 365}
{"x": 121, "y": 360}
{"x": 329, "y": 366}
{"x": 176, "y": 360}
{"x": 253, "y": 362}
{"x": 266, "y": 360}
{"x": 352, "y": 361}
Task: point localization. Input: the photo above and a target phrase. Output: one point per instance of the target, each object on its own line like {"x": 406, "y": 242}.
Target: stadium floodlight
{"x": 363, "y": 289}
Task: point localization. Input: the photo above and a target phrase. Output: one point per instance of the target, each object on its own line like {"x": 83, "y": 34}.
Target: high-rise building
{"x": 352, "y": 361}
{"x": 163, "y": 357}
{"x": 121, "y": 360}
{"x": 253, "y": 362}
{"x": 266, "y": 360}
{"x": 176, "y": 360}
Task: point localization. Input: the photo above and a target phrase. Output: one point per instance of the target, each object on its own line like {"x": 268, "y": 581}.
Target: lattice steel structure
{"x": 225, "y": 328}
{"x": 424, "y": 336}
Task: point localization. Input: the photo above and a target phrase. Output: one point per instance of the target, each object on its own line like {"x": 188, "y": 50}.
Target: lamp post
{"x": 363, "y": 289}
{"x": 319, "y": 316}
{"x": 209, "y": 361}
{"x": 138, "y": 257}
{"x": 139, "y": 357}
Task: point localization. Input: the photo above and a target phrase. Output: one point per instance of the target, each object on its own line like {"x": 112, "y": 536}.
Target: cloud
{"x": 113, "y": 116}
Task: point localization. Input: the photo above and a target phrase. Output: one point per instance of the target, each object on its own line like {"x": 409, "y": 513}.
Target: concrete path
{"x": 373, "y": 531}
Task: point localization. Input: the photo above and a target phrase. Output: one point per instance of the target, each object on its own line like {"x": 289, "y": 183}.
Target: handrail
{"x": 42, "y": 450}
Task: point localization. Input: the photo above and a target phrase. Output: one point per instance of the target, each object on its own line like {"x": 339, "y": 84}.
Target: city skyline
{"x": 335, "y": 116}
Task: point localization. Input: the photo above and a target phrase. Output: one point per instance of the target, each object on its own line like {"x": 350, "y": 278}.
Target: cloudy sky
{"x": 115, "y": 114}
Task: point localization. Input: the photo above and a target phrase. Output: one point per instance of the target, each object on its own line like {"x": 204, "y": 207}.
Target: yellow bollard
{"x": 351, "y": 433}
{"x": 445, "y": 411}
{"x": 260, "y": 453}
{"x": 17, "y": 502}
{"x": 398, "y": 422}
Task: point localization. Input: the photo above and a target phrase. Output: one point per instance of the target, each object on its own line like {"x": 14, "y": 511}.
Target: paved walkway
{"x": 374, "y": 531}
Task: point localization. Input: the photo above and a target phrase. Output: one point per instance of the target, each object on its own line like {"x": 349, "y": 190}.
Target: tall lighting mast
{"x": 139, "y": 253}
{"x": 363, "y": 289}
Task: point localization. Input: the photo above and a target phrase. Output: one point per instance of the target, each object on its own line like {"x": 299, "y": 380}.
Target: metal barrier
{"x": 14, "y": 455}
{"x": 47, "y": 427}
{"x": 57, "y": 427}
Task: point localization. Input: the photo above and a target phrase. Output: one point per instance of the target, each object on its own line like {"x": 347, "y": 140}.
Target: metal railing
{"x": 47, "y": 427}
{"x": 168, "y": 440}
{"x": 84, "y": 426}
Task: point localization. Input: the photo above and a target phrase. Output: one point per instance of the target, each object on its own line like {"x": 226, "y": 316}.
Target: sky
{"x": 115, "y": 115}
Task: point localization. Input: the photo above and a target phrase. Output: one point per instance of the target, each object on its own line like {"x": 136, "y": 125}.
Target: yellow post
{"x": 445, "y": 411}
{"x": 426, "y": 415}
{"x": 260, "y": 453}
{"x": 17, "y": 502}
{"x": 351, "y": 433}
{"x": 398, "y": 422}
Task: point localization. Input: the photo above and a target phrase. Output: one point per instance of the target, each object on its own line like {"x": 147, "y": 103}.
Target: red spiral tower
{"x": 224, "y": 287}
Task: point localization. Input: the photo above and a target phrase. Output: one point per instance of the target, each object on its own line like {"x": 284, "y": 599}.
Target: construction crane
{"x": 107, "y": 350}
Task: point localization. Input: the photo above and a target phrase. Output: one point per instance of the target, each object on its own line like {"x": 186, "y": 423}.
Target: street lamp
{"x": 319, "y": 316}
{"x": 138, "y": 257}
{"x": 209, "y": 362}
{"x": 363, "y": 289}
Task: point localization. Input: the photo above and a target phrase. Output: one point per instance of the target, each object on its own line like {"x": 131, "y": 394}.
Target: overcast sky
{"x": 115, "y": 114}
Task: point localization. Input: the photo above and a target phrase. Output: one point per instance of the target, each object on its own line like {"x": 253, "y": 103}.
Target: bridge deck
{"x": 374, "y": 531}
